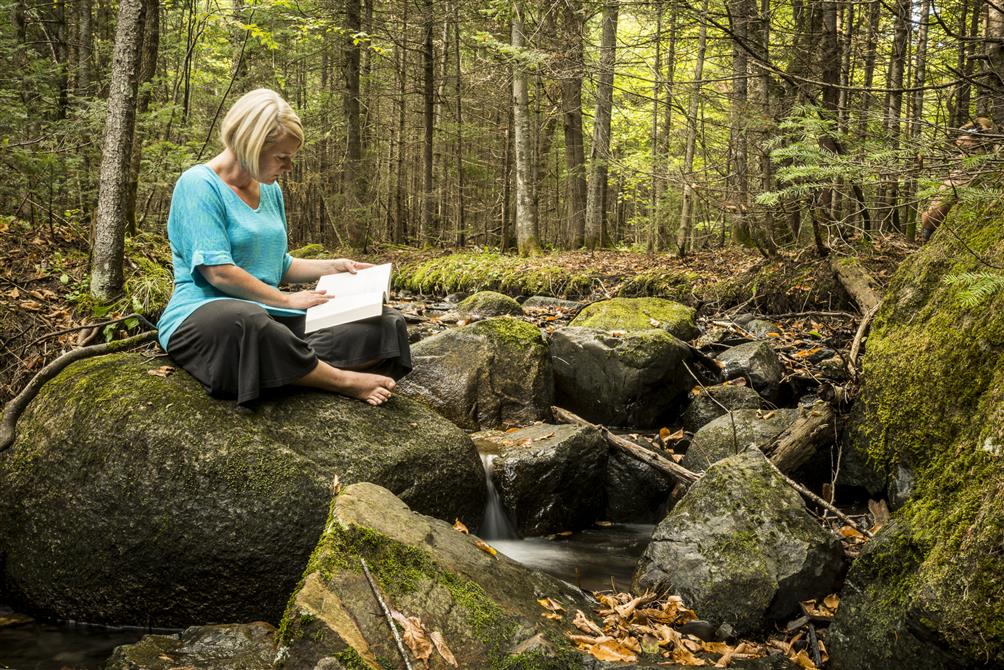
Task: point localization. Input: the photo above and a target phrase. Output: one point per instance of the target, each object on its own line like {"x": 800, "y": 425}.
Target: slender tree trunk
{"x": 600, "y": 153}
{"x": 355, "y": 177}
{"x": 526, "y": 220}
{"x": 400, "y": 183}
{"x": 917, "y": 116}
{"x": 84, "y": 49}
{"x": 894, "y": 108}
{"x": 109, "y": 235}
{"x": 994, "y": 50}
{"x": 571, "y": 113}
{"x": 147, "y": 69}
{"x": 652, "y": 241}
{"x": 429, "y": 232}
{"x": 505, "y": 234}
{"x": 739, "y": 179}
{"x": 685, "y": 230}
{"x": 461, "y": 211}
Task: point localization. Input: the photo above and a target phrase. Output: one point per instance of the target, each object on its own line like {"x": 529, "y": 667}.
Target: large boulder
{"x": 741, "y": 548}
{"x": 636, "y": 491}
{"x": 628, "y": 379}
{"x": 707, "y": 404}
{"x": 931, "y": 414}
{"x": 221, "y": 647}
{"x": 486, "y": 304}
{"x": 483, "y": 605}
{"x": 130, "y": 498}
{"x": 734, "y": 432}
{"x": 551, "y": 478}
{"x": 639, "y": 314}
{"x": 488, "y": 374}
{"x": 757, "y": 363}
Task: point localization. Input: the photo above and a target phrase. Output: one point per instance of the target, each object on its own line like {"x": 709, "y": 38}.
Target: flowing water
{"x": 593, "y": 559}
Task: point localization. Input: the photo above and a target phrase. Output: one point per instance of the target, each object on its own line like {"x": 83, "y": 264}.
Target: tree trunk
{"x": 461, "y": 212}
{"x": 894, "y": 108}
{"x": 84, "y": 38}
{"x": 917, "y": 115}
{"x": 994, "y": 50}
{"x": 600, "y": 153}
{"x": 685, "y": 230}
{"x": 429, "y": 232}
{"x": 571, "y": 114}
{"x": 109, "y": 234}
{"x": 354, "y": 177}
{"x": 738, "y": 174}
{"x": 652, "y": 241}
{"x": 147, "y": 69}
{"x": 526, "y": 220}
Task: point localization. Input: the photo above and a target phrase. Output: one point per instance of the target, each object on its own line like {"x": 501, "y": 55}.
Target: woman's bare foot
{"x": 370, "y": 388}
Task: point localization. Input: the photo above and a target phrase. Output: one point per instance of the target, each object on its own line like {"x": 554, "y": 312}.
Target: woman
{"x": 227, "y": 322}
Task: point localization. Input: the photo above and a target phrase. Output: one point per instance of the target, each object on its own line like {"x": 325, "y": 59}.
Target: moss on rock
{"x": 310, "y": 251}
{"x": 639, "y": 314}
{"x": 489, "y": 303}
{"x": 933, "y": 402}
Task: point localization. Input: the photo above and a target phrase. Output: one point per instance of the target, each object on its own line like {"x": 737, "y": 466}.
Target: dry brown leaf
{"x": 30, "y": 305}
{"x": 414, "y": 636}
{"x": 604, "y": 524}
{"x": 442, "y": 648}
{"x": 13, "y": 293}
{"x": 655, "y": 323}
{"x": 163, "y": 371}
{"x": 802, "y": 660}
{"x": 551, "y": 604}
{"x": 485, "y": 547}
{"x": 664, "y": 433}
{"x": 336, "y": 485}
{"x": 683, "y": 656}
{"x": 612, "y": 650}
{"x": 851, "y": 532}
{"x": 554, "y": 616}
{"x": 832, "y": 602}
{"x": 585, "y": 624}
{"x": 459, "y": 526}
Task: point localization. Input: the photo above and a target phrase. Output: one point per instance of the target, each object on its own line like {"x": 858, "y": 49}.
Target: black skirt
{"x": 238, "y": 350}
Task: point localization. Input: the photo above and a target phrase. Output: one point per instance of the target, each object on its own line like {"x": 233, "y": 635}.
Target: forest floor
{"x": 46, "y": 309}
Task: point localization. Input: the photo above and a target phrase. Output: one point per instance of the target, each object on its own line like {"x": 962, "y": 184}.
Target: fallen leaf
{"x": 684, "y": 656}
{"x": 163, "y": 371}
{"x": 655, "y": 323}
{"x": 459, "y": 526}
{"x": 551, "y": 604}
{"x": 802, "y": 660}
{"x": 30, "y": 306}
{"x": 554, "y": 616}
{"x": 851, "y": 531}
{"x": 414, "y": 636}
{"x": 604, "y": 524}
{"x": 336, "y": 485}
{"x": 444, "y": 651}
{"x": 565, "y": 533}
{"x": 612, "y": 650}
{"x": 13, "y": 293}
{"x": 583, "y": 623}
{"x": 832, "y": 602}
{"x": 485, "y": 547}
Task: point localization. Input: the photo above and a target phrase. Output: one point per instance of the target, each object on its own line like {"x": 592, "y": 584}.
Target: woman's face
{"x": 277, "y": 158}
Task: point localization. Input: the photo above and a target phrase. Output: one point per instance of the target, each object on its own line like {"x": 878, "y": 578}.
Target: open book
{"x": 357, "y": 296}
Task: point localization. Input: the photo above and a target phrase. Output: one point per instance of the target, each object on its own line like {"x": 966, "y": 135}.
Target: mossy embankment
{"x": 932, "y": 404}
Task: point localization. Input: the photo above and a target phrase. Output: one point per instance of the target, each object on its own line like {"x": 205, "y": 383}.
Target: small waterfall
{"x": 496, "y": 524}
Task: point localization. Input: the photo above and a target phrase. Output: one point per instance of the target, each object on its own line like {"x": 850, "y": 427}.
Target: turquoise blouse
{"x": 210, "y": 225}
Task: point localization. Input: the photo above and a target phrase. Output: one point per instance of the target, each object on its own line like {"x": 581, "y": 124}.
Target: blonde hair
{"x": 255, "y": 121}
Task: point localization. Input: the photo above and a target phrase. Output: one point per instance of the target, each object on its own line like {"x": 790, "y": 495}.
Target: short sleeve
{"x": 197, "y": 225}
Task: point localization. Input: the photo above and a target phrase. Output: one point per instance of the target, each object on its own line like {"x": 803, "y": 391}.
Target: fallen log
{"x": 860, "y": 285}
{"x": 814, "y": 428}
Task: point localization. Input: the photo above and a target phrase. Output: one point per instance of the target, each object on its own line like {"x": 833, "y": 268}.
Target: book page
{"x": 367, "y": 280}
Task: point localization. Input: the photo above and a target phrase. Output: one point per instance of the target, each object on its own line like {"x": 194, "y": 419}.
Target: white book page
{"x": 356, "y": 296}
{"x": 367, "y": 280}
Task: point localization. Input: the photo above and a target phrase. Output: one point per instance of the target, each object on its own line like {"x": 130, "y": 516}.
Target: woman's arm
{"x": 234, "y": 281}
{"x": 306, "y": 270}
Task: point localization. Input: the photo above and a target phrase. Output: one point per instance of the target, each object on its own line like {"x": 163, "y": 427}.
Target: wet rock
{"x": 551, "y": 478}
{"x": 632, "y": 379}
{"x": 639, "y": 314}
{"x": 707, "y": 404}
{"x": 761, "y": 328}
{"x": 546, "y": 302}
{"x": 483, "y": 605}
{"x": 222, "y": 647}
{"x": 636, "y": 492}
{"x": 131, "y": 498}
{"x": 726, "y": 436}
{"x": 487, "y": 374}
{"x": 741, "y": 548}
{"x": 757, "y": 363}
{"x": 486, "y": 304}
{"x": 834, "y": 368}
{"x": 875, "y": 631}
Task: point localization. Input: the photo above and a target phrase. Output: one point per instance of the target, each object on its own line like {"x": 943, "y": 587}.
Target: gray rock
{"x": 135, "y": 499}
{"x": 762, "y": 328}
{"x": 874, "y": 628}
{"x": 708, "y": 404}
{"x": 487, "y": 374}
{"x": 248, "y": 646}
{"x": 757, "y": 362}
{"x": 546, "y": 302}
{"x": 483, "y": 605}
{"x": 551, "y": 478}
{"x": 726, "y": 436}
{"x": 486, "y": 304}
{"x": 636, "y": 492}
{"x": 741, "y": 548}
{"x": 633, "y": 379}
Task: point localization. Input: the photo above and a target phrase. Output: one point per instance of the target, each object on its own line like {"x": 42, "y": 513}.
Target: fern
{"x": 975, "y": 288}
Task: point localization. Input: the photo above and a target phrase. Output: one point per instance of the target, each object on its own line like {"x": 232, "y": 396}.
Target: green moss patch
{"x": 639, "y": 314}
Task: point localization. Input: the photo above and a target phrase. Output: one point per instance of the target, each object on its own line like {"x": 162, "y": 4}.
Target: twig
{"x": 14, "y": 409}
{"x": 386, "y": 613}
{"x": 822, "y": 503}
{"x": 852, "y": 366}
{"x": 142, "y": 319}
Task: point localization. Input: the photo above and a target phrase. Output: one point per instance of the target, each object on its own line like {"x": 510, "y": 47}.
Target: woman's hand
{"x": 305, "y": 299}
{"x": 348, "y": 265}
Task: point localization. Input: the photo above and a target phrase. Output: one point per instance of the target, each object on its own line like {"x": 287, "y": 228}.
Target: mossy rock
{"x": 484, "y": 304}
{"x": 484, "y": 606}
{"x": 135, "y": 499}
{"x": 488, "y": 374}
{"x": 932, "y": 403}
{"x": 248, "y": 646}
{"x": 741, "y": 548}
{"x": 639, "y": 314}
{"x": 310, "y": 251}
{"x": 734, "y": 432}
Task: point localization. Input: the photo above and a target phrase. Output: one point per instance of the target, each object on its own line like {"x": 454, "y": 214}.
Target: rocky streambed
{"x": 131, "y": 497}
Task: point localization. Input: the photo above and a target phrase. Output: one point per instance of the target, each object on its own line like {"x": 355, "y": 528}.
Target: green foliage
{"x": 975, "y": 288}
